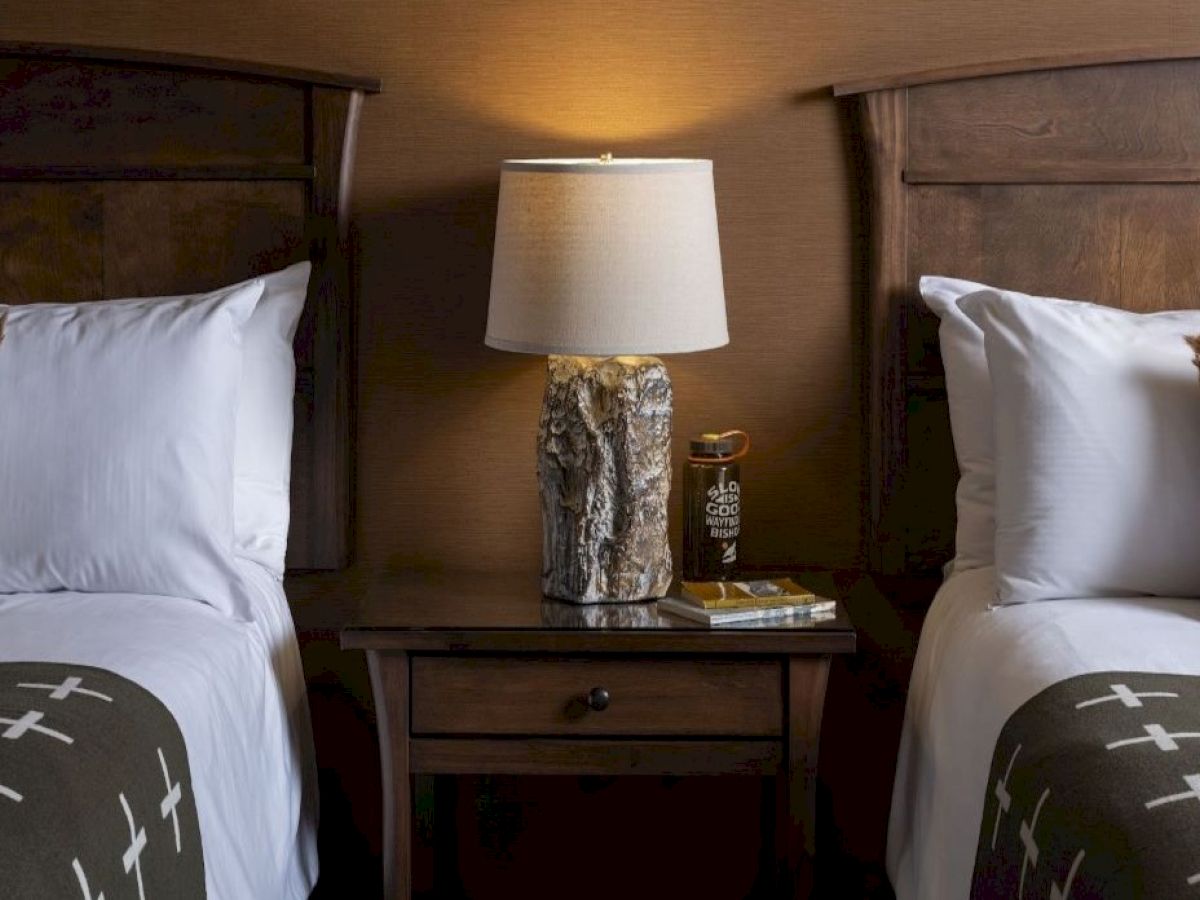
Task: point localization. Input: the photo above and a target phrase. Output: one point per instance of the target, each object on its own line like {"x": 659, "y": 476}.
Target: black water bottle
{"x": 712, "y": 510}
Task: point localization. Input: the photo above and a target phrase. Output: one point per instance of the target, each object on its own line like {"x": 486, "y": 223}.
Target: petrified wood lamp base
{"x": 604, "y": 465}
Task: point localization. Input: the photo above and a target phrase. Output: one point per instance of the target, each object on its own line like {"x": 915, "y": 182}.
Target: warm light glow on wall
{"x": 592, "y": 72}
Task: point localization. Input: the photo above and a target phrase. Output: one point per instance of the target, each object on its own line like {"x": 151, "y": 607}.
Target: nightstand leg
{"x": 796, "y": 786}
{"x": 389, "y": 682}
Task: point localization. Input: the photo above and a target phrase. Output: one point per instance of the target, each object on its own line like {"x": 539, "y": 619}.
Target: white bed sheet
{"x": 237, "y": 692}
{"x": 975, "y": 666}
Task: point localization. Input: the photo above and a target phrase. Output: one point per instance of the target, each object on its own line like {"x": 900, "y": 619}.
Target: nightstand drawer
{"x": 507, "y": 695}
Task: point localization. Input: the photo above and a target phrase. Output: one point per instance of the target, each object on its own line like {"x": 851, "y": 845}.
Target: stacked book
{"x": 771, "y": 601}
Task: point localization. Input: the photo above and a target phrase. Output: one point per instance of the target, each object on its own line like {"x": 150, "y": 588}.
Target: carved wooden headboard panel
{"x": 1072, "y": 177}
{"x": 125, "y": 173}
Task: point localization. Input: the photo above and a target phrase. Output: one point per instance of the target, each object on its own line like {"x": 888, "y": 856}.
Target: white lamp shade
{"x": 606, "y": 258}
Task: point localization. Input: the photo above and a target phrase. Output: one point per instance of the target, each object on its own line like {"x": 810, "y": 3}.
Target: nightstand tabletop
{"x": 495, "y": 612}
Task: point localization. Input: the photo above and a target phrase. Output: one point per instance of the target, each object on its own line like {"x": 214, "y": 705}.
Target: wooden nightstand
{"x": 478, "y": 674}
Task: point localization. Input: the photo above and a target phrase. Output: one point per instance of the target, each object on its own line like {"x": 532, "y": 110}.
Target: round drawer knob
{"x": 597, "y": 699}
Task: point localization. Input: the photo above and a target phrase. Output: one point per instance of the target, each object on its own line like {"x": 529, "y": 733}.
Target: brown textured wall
{"x": 446, "y": 466}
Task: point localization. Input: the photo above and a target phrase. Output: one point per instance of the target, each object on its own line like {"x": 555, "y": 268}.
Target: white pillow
{"x": 263, "y": 455}
{"x": 117, "y": 446}
{"x": 263, "y": 443}
{"x": 1097, "y": 439}
{"x": 969, "y": 391}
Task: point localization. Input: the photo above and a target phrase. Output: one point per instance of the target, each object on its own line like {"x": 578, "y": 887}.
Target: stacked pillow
{"x": 969, "y": 391}
{"x": 1076, "y": 431}
{"x": 263, "y": 449}
{"x": 145, "y": 443}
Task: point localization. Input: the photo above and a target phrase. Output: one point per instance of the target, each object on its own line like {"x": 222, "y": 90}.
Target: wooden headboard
{"x": 126, "y": 173}
{"x": 1075, "y": 177}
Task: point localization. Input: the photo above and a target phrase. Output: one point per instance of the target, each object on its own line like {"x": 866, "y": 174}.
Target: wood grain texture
{"x": 1128, "y": 246}
{"x": 64, "y": 224}
{"x": 989, "y": 69}
{"x": 885, "y": 131}
{"x": 1076, "y": 182}
{"x": 323, "y": 533}
{"x": 463, "y": 611}
{"x": 796, "y": 810}
{"x": 167, "y": 238}
{"x": 390, "y": 685}
{"x": 547, "y": 756}
{"x": 143, "y": 238}
{"x": 190, "y": 172}
{"x": 600, "y": 712}
{"x": 156, "y": 177}
{"x": 477, "y": 693}
{"x": 482, "y": 695}
{"x": 681, "y": 641}
{"x": 1122, "y": 123}
{"x": 73, "y": 113}
{"x": 158, "y": 59}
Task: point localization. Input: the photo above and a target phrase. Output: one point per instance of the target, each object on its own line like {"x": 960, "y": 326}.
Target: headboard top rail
{"x": 162, "y": 60}
{"x": 1012, "y": 67}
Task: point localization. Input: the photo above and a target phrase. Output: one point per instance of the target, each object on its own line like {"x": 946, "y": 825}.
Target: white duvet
{"x": 237, "y": 692}
{"x": 975, "y": 666}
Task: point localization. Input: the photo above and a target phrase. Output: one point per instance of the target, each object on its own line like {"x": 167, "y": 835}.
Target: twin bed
{"x": 152, "y": 745}
{"x": 1051, "y": 740}
{"x": 244, "y": 776}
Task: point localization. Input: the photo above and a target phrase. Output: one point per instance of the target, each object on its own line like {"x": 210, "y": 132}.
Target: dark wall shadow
{"x": 445, "y": 440}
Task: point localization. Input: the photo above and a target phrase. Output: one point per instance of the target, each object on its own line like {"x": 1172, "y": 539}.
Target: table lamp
{"x": 600, "y": 263}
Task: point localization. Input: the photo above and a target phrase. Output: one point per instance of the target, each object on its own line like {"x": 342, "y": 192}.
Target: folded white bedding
{"x": 236, "y": 690}
{"x": 975, "y": 666}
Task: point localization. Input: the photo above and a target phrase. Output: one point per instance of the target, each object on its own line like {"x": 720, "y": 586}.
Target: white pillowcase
{"x": 1097, "y": 437}
{"x": 263, "y": 454}
{"x": 117, "y": 446}
{"x": 263, "y": 443}
{"x": 969, "y": 391}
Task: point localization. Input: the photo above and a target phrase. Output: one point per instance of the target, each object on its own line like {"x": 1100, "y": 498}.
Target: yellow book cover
{"x": 760, "y": 594}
